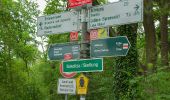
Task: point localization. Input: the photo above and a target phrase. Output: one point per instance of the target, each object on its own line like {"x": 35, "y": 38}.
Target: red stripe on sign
{"x": 125, "y": 46}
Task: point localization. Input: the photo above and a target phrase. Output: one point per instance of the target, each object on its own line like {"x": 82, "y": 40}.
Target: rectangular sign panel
{"x": 57, "y": 23}
{"x": 76, "y": 3}
{"x": 58, "y": 51}
{"x": 117, "y": 46}
{"x": 118, "y": 13}
{"x": 83, "y": 65}
{"x": 66, "y": 86}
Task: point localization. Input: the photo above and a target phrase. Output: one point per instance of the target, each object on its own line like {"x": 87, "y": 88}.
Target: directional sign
{"x": 83, "y": 65}
{"x": 117, "y": 46}
{"x": 118, "y": 13}
{"x": 57, "y": 23}
{"x": 59, "y": 51}
{"x": 66, "y": 86}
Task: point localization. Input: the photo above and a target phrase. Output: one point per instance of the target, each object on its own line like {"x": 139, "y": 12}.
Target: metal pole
{"x": 82, "y": 97}
{"x": 66, "y": 97}
{"x": 85, "y": 34}
{"x": 84, "y": 39}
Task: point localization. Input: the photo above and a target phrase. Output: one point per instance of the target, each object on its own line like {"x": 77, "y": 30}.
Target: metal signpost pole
{"x": 84, "y": 38}
{"x": 66, "y": 97}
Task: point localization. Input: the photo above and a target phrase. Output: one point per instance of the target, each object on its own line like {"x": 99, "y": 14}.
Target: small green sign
{"x": 116, "y": 46}
{"x": 83, "y": 65}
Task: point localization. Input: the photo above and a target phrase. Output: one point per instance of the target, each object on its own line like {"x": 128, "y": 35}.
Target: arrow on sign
{"x": 136, "y": 9}
{"x": 40, "y": 25}
{"x": 117, "y": 46}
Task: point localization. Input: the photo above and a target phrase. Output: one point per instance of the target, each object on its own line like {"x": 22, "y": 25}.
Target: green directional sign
{"x": 59, "y": 51}
{"x": 116, "y": 46}
{"x": 83, "y": 65}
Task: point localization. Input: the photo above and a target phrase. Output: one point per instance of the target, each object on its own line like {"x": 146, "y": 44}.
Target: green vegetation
{"x": 155, "y": 86}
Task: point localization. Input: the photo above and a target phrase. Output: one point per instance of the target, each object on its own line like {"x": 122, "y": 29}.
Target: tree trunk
{"x": 150, "y": 36}
{"x": 126, "y": 67}
{"x": 164, "y": 39}
{"x": 164, "y": 31}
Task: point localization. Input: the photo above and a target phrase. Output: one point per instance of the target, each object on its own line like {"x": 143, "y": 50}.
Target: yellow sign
{"x": 82, "y": 84}
{"x": 102, "y": 33}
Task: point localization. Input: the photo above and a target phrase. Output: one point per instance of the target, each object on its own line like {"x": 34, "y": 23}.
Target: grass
{"x": 155, "y": 86}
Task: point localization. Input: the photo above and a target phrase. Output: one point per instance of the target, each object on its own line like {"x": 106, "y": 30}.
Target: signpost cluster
{"x": 92, "y": 20}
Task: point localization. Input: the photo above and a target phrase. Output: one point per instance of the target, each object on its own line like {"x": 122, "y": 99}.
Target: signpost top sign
{"x": 57, "y": 23}
{"x": 76, "y": 3}
{"x": 118, "y": 13}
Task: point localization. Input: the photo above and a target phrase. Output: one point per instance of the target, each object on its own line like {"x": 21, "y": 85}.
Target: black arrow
{"x": 40, "y": 24}
{"x": 136, "y": 9}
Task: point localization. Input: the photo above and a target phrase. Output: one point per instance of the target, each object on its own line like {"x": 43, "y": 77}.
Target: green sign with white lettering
{"x": 83, "y": 65}
{"x": 116, "y": 46}
{"x": 58, "y": 51}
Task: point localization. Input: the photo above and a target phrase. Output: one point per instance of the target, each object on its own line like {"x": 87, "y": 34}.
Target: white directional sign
{"x": 57, "y": 23}
{"x": 118, "y": 13}
{"x": 66, "y": 86}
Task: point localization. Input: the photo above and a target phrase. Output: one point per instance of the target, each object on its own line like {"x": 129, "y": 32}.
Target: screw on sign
{"x": 73, "y": 36}
{"x": 67, "y": 75}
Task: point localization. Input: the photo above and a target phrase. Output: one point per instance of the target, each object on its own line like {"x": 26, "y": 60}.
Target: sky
{"x": 42, "y": 3}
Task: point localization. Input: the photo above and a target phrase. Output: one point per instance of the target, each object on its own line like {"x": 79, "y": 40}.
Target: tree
{"x": 164, "y": 31}
{"x": 150, "y": 36}
{"x": 17, "y": 28}
{"x": 126, "y": 67}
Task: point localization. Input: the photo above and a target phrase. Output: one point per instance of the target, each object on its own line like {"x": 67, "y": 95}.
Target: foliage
{"x": 100, "y": 85}
{"x": 17, "y": 28}
{"x": 155, "y": 86}
{"x": 126, "y": 67}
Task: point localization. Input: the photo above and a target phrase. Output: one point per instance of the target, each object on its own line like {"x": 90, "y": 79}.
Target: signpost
{"x": 83, "y": 65}
{"x": 118, "y": 13}
{"x": 59, "y": 51}
{"x": 57, "y": 23}
{"x": 66, "y": 86}
{"x": 116, "y": 46}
